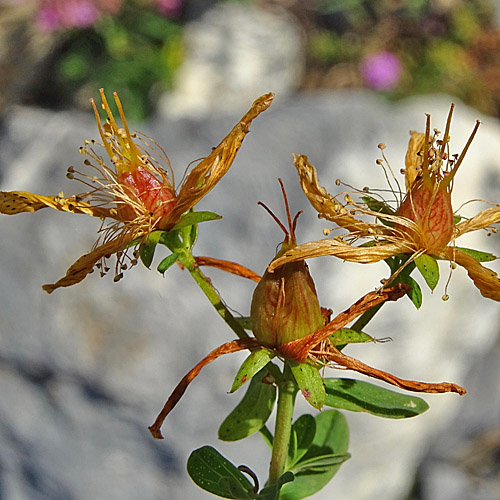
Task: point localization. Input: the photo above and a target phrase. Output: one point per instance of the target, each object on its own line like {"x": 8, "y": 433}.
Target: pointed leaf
{"x": 310, "y": 383}
{"x": 331, "y": 438}
{"x": 349, "y": 336}
{"x": 252, "y": 411}
{"x": 478, "y": 255}
{"x": 253, "y": 364}
{"x": 214, "y": 473}
{"x": 357, "y": 395}
{"x": 273, "y": 492}
{"x": 321, "y": 463}
{"x": 415, "y": 294}
{"x": 147, "y": 249}
{"x": 429, "y": 269}
{"x": 190, "y": 218}
{"x": 303, "y": 432}
{"x": 167, "y": 262}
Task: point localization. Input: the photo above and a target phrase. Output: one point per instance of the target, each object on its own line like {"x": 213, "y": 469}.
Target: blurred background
{"x": 85, "y": 370}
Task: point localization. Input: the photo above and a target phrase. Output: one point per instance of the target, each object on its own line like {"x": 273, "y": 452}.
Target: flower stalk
{"x": 287, "y": 390}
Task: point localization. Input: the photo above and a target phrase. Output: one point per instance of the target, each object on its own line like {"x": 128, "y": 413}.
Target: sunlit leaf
{"x": 357, "y": 395}
{"x": 429, "y": 269}
{"x": 252, "y": 411}
{"x": 478, "y": 255}
{"x": 252, "y": 364}
{"x": 310, "y": 383}
{"x": 190, "y": 218}
{"x": 330, "y": 444}
{"x": 349, "y": 336}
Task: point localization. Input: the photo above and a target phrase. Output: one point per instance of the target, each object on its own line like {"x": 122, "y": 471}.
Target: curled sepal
{"x": 180, "y": 389}
{"x": 190, "y": 218}
{"x": 252, "y": 412}
{"x": 255, "y": 362}
{"x": 214, "y": 473}
{"x": 310, "y": 383}
{"x": 323, "y": 459}
{"x": 357, "y": 395}
{"x": 429, "y": 269}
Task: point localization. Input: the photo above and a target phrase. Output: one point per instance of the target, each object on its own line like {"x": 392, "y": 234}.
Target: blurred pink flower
{"x": 55, "y": 14}
{"x": 169, "y": 8}
{"x": 381, "y": 70}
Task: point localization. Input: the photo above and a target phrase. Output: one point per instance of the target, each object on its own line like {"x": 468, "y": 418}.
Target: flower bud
{"x": 429, "y": 207}
{"x": 285, "y": 305}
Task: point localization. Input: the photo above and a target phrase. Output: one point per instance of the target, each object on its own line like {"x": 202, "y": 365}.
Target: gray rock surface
{"x": 86, "y": 369}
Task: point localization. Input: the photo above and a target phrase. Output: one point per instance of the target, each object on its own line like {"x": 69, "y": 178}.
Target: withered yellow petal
{"x": 413, "y": 160}
{"x": 209, "y": 171}
{"x": 85, "y": 264}
{"x": 15, "y": 202}
{"x": 324, "y": 203}
{"x": 342, "y": 250}
{"x": 482, "y": 220}
{"x": 485, "y": 279}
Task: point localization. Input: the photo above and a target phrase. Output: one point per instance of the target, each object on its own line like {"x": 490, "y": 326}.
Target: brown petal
{"x": 341, "y": 359}
{"x": 299, "y": 350}
{"x": 177, "y": 393}
{"x": 85, "y": 264}
{"x": 209, "y": 171}
{"x": 482, "y": 220}
{"x": 229, "y": 267}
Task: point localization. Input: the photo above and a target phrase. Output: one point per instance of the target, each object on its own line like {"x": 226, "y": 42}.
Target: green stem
{"x": 207, "y": 288}
{"x": 283, "y": 428}
{"x": 366, "y": 317}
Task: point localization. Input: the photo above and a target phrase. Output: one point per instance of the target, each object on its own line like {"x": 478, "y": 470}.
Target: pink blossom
{"x": 381, "y": 70}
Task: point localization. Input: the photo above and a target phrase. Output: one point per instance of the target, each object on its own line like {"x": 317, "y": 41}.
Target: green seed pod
{"x": 285, "y": 306}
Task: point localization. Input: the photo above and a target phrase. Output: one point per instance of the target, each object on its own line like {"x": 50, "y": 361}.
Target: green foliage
{"x": 310, "y": 383}
{"x": 429, "y": 269}
{"x": 478, "y": 254}
{"x": 252, "y": 411}
{"x": 252, "y": 364}
{"x": 324, "y": 456}
{"x": 135, "y": 52}
{"x": 214, "y": 473}
{"x": 360, "y": 396}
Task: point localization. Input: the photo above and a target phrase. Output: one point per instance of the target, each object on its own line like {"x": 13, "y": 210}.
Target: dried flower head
{"x": 424, "y": 222}
{"x": 135, "y": 194}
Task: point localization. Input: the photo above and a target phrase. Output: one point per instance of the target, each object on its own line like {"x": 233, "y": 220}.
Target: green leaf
{"x": 190, "y": 218}
{"x": 349, "y": 336}
{"x": 456, "y": 219}
{"x": 310, "y": 383}
{"x": 147, "y": 248}
{"x": 167, "y": 262}
{"x": 478, "y": 255}
{"x": 321, "y": 463}
{"x": 377, "y": 205}
{"x": 415, "y": 294}
{"x": 253, "y": 364}
{"x": 331, "y": 439}
{"x": 215, "y": 474}
{"x": 429, "y": 269}
{"x": 357, "y": 395}
{"x": 252, "y": 411}
{"x": 303, "y": 432}
{"x": 273, "y": 492}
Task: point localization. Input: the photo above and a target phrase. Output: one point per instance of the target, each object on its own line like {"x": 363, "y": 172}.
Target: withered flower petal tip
{"x": 422, "y": 223}
{"x": 135, "y": 193}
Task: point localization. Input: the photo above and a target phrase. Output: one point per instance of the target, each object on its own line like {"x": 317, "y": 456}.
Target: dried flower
{"x": 136, "y": 193}
{"x": 422, "y": 224}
